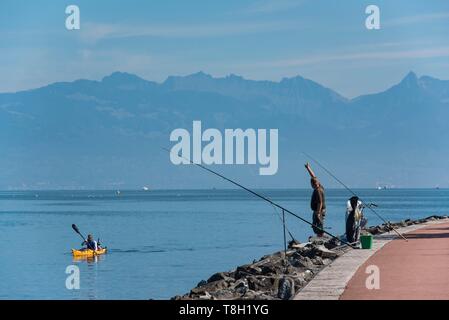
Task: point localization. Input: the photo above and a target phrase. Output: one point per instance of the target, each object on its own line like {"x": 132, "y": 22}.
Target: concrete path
{"x": 417, "y": 269}
{"x": 346, "y": 275}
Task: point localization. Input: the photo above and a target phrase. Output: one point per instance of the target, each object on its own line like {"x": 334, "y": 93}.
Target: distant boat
{"x": 145, "y": 188}
{"x": 117, "y": 192}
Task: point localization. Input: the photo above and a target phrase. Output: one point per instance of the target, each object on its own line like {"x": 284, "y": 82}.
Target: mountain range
{"x": 107, "y": 134}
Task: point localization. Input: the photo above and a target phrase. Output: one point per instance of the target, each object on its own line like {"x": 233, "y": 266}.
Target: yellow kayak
{"x": 87, "y": 253}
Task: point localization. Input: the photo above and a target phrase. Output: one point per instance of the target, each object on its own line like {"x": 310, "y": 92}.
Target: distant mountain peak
{"x": 234, "y": 77}
{"x": 293, "y": 79}
{"x": 122, "y": 78}
{"x": 200, "y": 74}
{"x": 196, "y": 77}
{"x": 410, "y": 90}
{"x": 411, "y": 79}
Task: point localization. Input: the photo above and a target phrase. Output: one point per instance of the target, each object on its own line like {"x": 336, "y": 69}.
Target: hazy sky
{"x": 325, "y": 41}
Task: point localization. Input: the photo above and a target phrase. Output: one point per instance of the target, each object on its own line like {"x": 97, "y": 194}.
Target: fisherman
{"x": 317, "y": 203}
{"x": 353, "y": 219}
{"x": 90, "y": 243}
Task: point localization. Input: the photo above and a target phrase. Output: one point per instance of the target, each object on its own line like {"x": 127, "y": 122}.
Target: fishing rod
{"x": 282, "y": 219}
{"x": 260, "y": 196}
{"x": 347, "y": 188}
{"x": 283, "y": 222}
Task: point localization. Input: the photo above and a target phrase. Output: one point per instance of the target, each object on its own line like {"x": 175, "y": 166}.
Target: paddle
{"x": 74, "y": 227}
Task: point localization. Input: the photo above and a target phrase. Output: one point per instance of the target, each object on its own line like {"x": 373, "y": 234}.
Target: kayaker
{"x": 317, "y": 203}
{"x": 90, "y": 243}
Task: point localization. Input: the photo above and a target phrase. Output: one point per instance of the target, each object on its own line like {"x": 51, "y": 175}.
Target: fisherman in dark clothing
{"x": 317, "y": 203}
{"x": 353, "y": 218}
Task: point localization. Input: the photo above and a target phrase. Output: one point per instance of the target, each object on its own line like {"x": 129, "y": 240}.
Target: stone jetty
{"x": 281, "y": 275}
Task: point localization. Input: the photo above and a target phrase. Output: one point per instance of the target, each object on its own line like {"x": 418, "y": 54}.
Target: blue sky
{"x": 325, "y": 41}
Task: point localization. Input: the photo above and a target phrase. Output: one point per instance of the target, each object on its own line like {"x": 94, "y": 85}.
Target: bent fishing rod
{"x": 283, "y": 222}
{"x": 261, "y": 197}
{"x": 347, "y": 188}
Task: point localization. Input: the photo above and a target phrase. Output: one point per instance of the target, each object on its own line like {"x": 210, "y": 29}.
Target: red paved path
{"x": 417, "y": 269}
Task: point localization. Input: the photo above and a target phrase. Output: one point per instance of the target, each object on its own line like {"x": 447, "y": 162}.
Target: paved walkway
{"x": 418, "y": 268}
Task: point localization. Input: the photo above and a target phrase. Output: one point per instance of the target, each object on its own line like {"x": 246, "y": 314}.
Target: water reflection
{"x": 89, "y": 269}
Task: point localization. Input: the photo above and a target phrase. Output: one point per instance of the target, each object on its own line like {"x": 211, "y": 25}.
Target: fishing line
{"x": 260, "y": 196}
{"x": 347, "y": 188}
{"x": 283, "y": 221}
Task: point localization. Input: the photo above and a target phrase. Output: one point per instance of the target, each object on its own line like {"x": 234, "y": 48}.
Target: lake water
{"x": 162, "y": 243}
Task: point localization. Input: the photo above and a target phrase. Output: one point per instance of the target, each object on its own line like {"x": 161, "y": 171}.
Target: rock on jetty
{"x": 279, "y": 276}
{"x": 387, "y": 227}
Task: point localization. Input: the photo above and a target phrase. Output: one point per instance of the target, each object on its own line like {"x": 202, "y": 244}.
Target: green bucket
{"x": 366, "y": 241}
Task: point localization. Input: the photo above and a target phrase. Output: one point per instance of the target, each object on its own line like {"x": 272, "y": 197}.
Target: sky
{"x": 323, "y": 40}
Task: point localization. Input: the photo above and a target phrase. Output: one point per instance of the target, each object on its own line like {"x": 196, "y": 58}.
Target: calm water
{"x": 162, "y": 243}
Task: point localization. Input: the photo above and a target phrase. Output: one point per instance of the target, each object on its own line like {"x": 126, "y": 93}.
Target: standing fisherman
{"x": 317, "y": 203}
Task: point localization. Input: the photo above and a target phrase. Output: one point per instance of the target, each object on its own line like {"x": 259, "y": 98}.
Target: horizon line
{"x": 222, "y": 189}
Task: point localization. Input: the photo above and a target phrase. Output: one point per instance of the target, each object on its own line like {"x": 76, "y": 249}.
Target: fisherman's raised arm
{"x": 309, "y": 169}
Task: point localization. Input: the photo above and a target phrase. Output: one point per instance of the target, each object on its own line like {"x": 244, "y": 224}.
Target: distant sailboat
{"x": 117, "y": 192}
